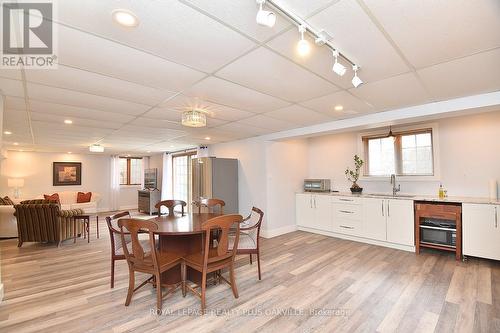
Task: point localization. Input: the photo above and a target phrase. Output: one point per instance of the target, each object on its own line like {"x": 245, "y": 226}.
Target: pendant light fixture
{"x": 303, "y": 46}
{"x": 338, "y": 68}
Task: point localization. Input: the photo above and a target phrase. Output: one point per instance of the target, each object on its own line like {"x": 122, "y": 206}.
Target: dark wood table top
{"x": 188, "y": 224}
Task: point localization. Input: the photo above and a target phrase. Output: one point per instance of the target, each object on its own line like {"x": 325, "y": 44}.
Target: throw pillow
{"x": 83, "y": 197}
{"x": 54, "y": 197}
{"x": 8, "y": 201}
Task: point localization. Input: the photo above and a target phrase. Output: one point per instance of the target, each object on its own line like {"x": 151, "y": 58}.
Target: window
{"x": 405, "y": 154}
{"x": 181, "y": 176}
{"x": 130, "y": 171}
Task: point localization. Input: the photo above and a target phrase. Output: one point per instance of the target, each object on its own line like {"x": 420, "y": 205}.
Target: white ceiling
{"x": 126, "y": 88}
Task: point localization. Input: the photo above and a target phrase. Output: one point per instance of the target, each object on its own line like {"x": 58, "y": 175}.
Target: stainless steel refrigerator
{"x": 216, "y": 178}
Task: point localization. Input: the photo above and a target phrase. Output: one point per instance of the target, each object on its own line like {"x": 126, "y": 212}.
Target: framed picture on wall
{"x": 67, "y": 173}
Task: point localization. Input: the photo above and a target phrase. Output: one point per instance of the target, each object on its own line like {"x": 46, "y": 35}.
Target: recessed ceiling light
{"x": 125, "y": 18}
{"x": 68, "y": 121}
{"x": 21, "y": 150}
{"x": 148, "y": 151}
{"x": 207, "y": 138}
{"x": 16, "y": 144}
{"x": 7, "y": 132}
{"x": 338, "y": 108}
{"x": 69, "y": 152}
{"x": 172, "y": 146}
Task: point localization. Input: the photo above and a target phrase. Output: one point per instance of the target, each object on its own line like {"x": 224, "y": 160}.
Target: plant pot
{"x": 356, "y": 190}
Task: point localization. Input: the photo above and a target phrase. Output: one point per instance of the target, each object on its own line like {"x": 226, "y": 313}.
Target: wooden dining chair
{"x": 210, "y": 204}
{"x": 171, "y": 204}
{"x": 249, "y": 236}
{"x": 116, "y": 242}
{"x": 151, "y": 262}
{"x": 213, "y": 259}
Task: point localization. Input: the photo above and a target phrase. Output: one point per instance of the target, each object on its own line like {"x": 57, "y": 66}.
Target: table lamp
{"x": 16, "y": 183}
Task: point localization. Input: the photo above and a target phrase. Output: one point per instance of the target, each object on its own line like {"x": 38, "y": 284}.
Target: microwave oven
{"x": 317, "y": 185}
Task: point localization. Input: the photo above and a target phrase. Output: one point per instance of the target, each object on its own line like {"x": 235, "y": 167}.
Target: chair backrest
{"x": 211, "y": 204}
{"x": 171, "y": 204}
{"x": 38, "y": 221}
{"x": 114, "y": 230}
{"x": 223, "y": 224}
{"x": 137, "y": 255}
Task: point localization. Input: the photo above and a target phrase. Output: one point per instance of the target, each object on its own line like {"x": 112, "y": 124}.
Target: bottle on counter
{"x": 441, "y": 191}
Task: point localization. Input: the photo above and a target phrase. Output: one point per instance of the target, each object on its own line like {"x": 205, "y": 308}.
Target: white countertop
{"x": 415, "y": 197}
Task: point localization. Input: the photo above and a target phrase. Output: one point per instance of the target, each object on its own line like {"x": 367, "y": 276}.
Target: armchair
{"x": 44, "y": 221}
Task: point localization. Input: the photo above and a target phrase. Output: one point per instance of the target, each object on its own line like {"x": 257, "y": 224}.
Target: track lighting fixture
{"x": 338, "y": 68}
{"x": 356, "y": 81}
{"x": 303, "y": 46}
{"x": 265, "y": 17}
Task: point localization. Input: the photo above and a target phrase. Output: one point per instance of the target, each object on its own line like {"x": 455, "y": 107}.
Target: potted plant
{"x": 353, "y": 176}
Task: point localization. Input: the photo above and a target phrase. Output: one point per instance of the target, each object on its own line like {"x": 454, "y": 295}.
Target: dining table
{"x": 182, "y": 235}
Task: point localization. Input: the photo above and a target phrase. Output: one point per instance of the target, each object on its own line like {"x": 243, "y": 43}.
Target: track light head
{"x": 356, "y": 81}
{"x": 303, "y": 47}
{"x": 338, "y": 68}
{"x": 264, "y": 17}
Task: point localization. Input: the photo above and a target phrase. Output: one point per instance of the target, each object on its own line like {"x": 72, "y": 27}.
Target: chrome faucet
{"x": 394, "y": 188}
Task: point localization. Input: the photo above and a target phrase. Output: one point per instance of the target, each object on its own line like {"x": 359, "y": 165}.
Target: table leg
{"x": 88, "y": 230}
{"x": 97, "y": 224}
{"x": 74, "y": 230}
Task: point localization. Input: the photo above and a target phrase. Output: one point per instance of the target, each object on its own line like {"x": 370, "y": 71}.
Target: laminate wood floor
{"x": 311, "y": 283}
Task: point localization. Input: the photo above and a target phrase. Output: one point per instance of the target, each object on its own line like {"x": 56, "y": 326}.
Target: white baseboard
{"x": 360, "y": 239}
{"x": 278, "y": 231}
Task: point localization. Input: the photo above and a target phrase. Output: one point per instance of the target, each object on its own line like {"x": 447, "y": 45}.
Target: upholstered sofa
{"x": 68, "y": 201}
{"x": 44, "y": 221}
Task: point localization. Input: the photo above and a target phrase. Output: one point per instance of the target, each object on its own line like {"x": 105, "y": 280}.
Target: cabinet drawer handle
{"x": 346, "y": 227}
{"x": 346, "y": 211}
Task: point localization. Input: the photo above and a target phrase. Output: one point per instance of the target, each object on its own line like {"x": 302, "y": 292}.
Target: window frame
{"x": 414, "y": 129}
{"x": 128, "y": 170}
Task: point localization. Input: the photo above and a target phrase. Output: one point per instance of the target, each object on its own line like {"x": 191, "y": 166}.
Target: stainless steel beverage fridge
{"x": 216, "y": 178}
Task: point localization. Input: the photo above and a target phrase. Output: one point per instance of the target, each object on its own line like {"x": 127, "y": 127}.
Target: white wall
{"x": 269, "y": 173}
{"x": 469, "y": 157}
{"x": 36, "y": 169}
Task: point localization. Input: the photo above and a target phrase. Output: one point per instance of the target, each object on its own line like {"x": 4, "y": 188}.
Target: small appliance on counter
{"x": 316, "y": 185}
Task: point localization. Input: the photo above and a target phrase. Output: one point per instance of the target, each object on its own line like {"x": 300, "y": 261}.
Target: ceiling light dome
{"x": 194, "y": 118}
{"x": 125, "y": 18}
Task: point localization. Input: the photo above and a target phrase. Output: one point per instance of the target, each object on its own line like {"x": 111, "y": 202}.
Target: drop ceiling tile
{"x": 96, "y": 84}
{"x": 326, "y": 104}
{"x": 77, "y": 122}
{"x": 268, "y": 123}
{"x": 305, "y": 8}
{"x": 265, "y": 71}
{"x": 158, "y": 123}
{"x": 217, "y": 111}
{"x": 355, "y": 35}
{"x": 153, "y": 133}
{"x": 167, "y": 28}
{"x": 319, "y": 60}
{"x": 164, "y": 113}
{"x": 241, "y": 15}
{"x": 122, "y": 62}
{"x": 216, "y": 90}
{"x": 238, "y": 128}
{"x": 430, "y": 32}
{"x": 476, "y": 74}
{"x": 299, "y": 115}
{"x": 75, "y": 98}
{"x": 7, "y": 73}
{"x": 11, "y": 87}
{"x": 69, "y": 111}
{"x": 395, "y": 92}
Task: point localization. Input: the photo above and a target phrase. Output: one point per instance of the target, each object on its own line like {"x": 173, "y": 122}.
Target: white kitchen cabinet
{"x": 348, "y": 218}
{"x": 400, "y": 222}
{"x": 314, "y": 211}
{"x": 375, "y": 219}
{"x": 481, "y": 230}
